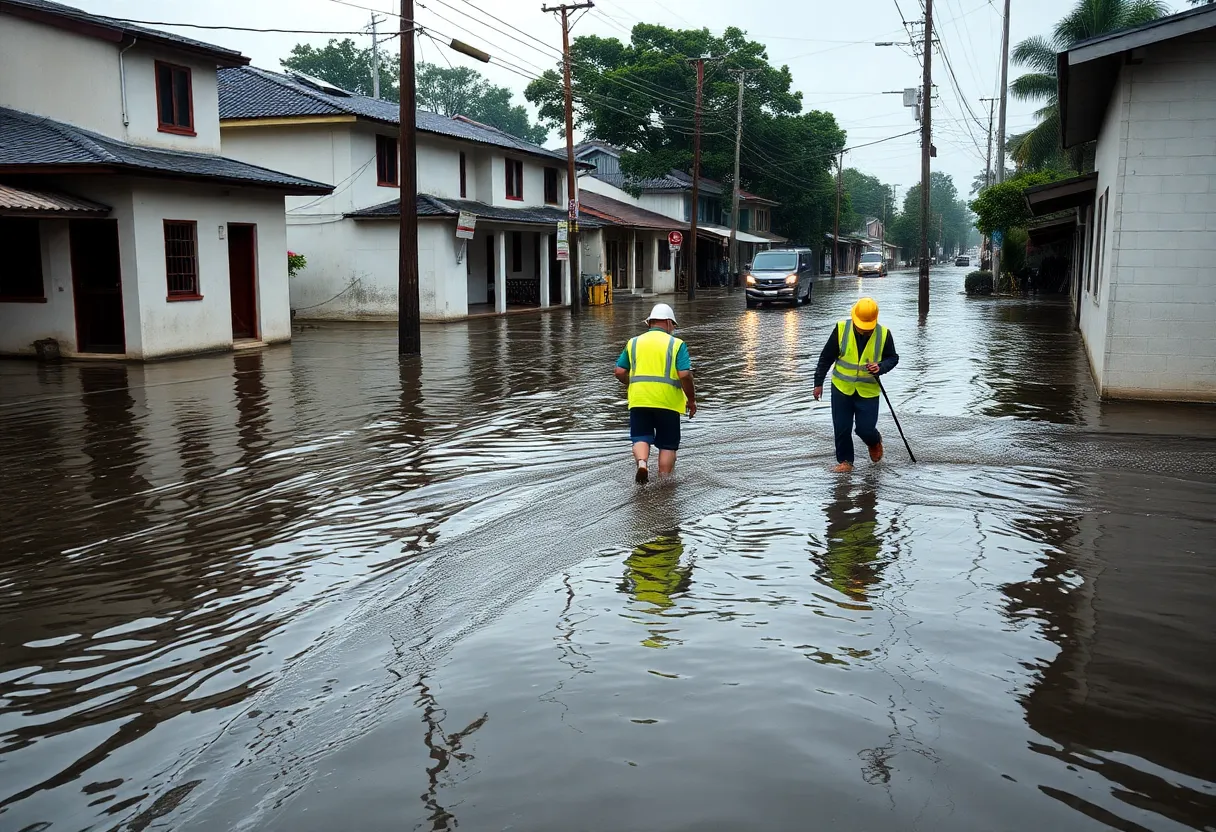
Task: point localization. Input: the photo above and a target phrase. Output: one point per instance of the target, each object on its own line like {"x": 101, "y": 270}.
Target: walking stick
{"x": 896, "y": 418}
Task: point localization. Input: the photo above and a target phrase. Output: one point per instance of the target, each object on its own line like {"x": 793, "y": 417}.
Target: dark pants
{"x": 846, "y": 410}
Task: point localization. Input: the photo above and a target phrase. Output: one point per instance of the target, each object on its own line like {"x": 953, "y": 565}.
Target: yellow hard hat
{"x": 865, "y": 314}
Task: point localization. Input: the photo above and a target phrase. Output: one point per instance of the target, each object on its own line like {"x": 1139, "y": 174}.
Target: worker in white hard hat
{"x": 658, "y": 372}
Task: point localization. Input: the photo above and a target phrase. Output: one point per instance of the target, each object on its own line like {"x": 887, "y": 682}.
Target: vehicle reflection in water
{"x": 654, "y": 577}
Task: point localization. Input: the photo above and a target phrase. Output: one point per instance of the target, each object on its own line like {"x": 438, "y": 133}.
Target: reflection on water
{"x": 286, "y": 589}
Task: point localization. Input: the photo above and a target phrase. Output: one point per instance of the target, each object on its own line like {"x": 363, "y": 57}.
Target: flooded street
{"x": 316, "y": 588}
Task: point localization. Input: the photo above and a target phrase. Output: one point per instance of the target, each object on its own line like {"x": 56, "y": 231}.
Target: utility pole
{"x": 696, "y": 184}
{"x": 741, "y": 74}
{"x": 926, "y": 148}
{"x": 375, "y": 60}
{"x": 576, "y": 290}
{"x": 988, "y": 163}
{"x": 1000, "y": 131}
{"x": 409, "y": 324}
{"x": 836, "y": 224}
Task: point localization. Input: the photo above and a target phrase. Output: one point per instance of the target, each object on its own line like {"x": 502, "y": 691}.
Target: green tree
{"x": 1003, "y": 206}
{"x": 868, "y": 197}
{"x": 949, "y": 218}
{"x": 639, "y": 96}
{"x": 1040, "y": 147}
{"x": 453, "y": 91}
{"x": 345, "y": 65}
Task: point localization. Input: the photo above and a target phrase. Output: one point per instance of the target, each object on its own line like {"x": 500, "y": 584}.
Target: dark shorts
{"x": 655, "y": 425}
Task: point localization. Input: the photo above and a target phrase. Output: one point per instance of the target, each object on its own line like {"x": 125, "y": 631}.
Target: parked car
{"x": 871, "y": 264}
{"x": 780, "y": 274}
{"x": 962, "y": 260}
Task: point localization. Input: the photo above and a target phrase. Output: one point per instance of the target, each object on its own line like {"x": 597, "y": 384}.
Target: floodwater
{"x": 316, "y": 588}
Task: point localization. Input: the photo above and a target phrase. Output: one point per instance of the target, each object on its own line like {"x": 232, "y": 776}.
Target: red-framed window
{"x": 21, "y": 265}
{"x": 174, "y": 99}
{"x": 181, "y": 259}
{"x": 464, "y": 178}
{"x": 515, "y": 179}
{"x": 551, "y": 196}
{"x": 386, "y": 161}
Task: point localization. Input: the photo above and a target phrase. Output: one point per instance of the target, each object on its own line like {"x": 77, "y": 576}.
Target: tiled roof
{"x": 24, "y": 201}
{"x": 249, "y": 92}
{"x": 33, "y": 141}
{"x": 622, "y": 213}
{"x": 44, "y": 10}
{"x": 432, "y": 206}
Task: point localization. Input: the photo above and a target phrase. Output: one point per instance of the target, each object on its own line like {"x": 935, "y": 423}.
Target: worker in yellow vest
{"x": 658, "y": 372}
{"x": 861, "y": 350}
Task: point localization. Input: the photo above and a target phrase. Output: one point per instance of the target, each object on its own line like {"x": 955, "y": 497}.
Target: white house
{"x": 1145, "y": 245}
{"x": 125, "y": 232}
{"x": 515, "y": 189}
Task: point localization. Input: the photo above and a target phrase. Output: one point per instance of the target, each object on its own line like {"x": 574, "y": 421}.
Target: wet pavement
{"x": 316, "y": 588}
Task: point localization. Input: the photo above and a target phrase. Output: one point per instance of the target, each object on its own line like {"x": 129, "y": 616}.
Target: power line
{"x": 241, "y": 28}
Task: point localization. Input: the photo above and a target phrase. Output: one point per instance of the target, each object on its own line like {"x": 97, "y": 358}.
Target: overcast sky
{"x": 828, "y": 47}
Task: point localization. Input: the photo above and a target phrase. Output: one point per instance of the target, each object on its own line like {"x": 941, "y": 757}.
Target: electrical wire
{"x": 239, "y": 28}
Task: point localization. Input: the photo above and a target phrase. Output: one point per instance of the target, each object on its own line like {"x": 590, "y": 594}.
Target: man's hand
{"x": 692, "y": 408}
{"x": 818, "y": 392}
{"x": 873, "y": 368}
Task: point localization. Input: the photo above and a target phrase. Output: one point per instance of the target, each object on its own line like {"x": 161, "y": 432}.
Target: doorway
{"x": 97, "y": 286}
{"x": 490, "y": 268}
{"x": 612, "y": 251}
{"x": 242, "y": 278}
{"x": 555, "y": 271}
{"x": 639, "y": 264}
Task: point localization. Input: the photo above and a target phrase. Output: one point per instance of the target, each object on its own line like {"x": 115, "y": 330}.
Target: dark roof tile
{"x": 433, "y": 206}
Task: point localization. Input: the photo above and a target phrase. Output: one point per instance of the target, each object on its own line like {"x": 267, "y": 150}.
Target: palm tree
{"x": 1089, "y": 18}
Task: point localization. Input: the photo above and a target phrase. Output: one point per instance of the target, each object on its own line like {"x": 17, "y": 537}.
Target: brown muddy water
{"x": 316, "y": 588}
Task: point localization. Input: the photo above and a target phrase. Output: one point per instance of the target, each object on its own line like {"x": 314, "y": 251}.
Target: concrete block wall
{"x": 1159, "y": 270}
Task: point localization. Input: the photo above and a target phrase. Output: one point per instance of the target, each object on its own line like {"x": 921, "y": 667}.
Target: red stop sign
{"x": 675, "y": 239}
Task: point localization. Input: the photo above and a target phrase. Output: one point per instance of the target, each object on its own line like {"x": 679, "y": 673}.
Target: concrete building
{"x": 125, "y": 232}
{"x": 515, "y": 190}
{"x": 1144, "y": 238}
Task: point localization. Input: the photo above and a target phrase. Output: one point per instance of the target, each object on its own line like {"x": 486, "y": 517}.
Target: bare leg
{"x": 641, "y": 451}
{"x": 667, "y": 463}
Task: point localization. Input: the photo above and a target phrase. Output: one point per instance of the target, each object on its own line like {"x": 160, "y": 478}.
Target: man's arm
{"x": 889, "y": 357}
{"x": 690, "y": 391}
{"x": 831, "y": 351}
{"x": 621, "y": 371}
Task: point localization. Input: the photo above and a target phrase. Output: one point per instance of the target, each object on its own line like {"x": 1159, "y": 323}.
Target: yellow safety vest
{"x": 653, "y": 380}
{"x": 850, "y": 375}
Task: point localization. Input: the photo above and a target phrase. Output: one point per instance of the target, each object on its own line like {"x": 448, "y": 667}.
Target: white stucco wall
{"x": 21, "y": 324}
{"x": 141, "y": 101}
{"x": 320, "y": 152}
{"x": 669, "y": 205}
{"x": 55, "y": 73}
{"x": 1158, "y": 272}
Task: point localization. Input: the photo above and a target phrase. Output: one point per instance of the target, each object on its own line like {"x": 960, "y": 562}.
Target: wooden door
{"x": 97, "y": 286}
{"x": 242, "y": 279}
{"x": 639, "y": 263}
{"x": 612, "y": 250}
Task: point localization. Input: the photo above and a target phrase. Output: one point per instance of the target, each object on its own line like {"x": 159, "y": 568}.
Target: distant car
{"x": 871, "y": 264}
{"x": 780, "y": 274}
{"x": 962, "y": 260}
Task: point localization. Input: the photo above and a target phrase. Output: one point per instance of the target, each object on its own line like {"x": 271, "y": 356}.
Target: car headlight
{"x": 751, "y": 280}
{"x": 790, "y": 280}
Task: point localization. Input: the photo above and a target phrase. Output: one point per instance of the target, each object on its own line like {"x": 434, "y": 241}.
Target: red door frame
{"x": 253, "y": 273}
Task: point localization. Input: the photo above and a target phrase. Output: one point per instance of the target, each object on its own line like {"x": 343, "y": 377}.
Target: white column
{"x": 500, "y": 272}
{"x": 566, "y": 265}
{"x": 654, "y": 262}
{"x": 543, "y": 241}
{"x": 633, "y": 260}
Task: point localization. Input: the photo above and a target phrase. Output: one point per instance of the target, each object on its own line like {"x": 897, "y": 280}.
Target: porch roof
{"x": 1058, "y": 196}
{"x": 1050, "y": 229}
{"x": 33, "y": 144}
{"x": 23, "y": 202}
{"x": 615, "y": 212}
{"x": 723, "y": 231}
{"x": 770, "y": 236}
{"x": 433, "y": 206}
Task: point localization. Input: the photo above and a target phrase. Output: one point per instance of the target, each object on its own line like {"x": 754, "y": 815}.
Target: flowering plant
{"x": 295, "y": 263}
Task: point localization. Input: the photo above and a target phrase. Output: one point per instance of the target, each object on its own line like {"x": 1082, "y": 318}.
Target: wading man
{"x": 658, "y": 372}
{"x": 861, "y": 350}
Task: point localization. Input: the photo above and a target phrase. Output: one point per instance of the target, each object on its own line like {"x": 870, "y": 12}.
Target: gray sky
{"x": 826, "y": 45}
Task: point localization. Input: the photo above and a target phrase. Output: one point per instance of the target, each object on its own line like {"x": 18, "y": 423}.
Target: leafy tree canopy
{"x": 444, "y": 90}
{"x": 868, "y": 197}
{"x": 640, "y": 96}
{"x": 949, "y": 219}
{"x": 1004, "y": 206}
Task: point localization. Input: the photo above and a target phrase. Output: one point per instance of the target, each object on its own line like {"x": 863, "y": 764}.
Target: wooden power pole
{"x": 576, "y": 289}
{"x": 926, "y": 148}
{"x": 836, "y": 225}
{"x": 1000, "y": 134}
{"x": 409, "y": 324}
{"x": 696, "y": 184}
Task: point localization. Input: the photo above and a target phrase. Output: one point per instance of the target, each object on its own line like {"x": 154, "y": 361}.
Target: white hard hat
{"x": 662, "y": 312}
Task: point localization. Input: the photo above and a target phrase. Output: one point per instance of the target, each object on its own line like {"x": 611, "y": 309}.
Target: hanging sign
{"x": 465, "y": 225}
{"x": 563, "y": 240}
{"x": 998, "y": 237}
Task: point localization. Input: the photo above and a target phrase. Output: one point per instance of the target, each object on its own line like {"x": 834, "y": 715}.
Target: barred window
{"x": 181, "y": 258}
{"x": 21, "y": 266}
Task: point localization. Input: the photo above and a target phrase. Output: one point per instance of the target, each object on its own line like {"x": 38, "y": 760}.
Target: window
{"x": 775, "y": 261}
{"x": 181, "y": 259}
{"x": 1087, "y": 241}
{"x": 745, "y": 219}
{"x": 517, "y": 251}
{"x": 515, "y": 179}
{"x": 664, "y": 257}
{"x": 551, "y": 186}
{"x": 21, "y": 265}
{"x": 386, "y": 161}
{"x": 174, "y": 99}
{"x": 464, "y": 178}
{"x": 1099, "y": 240}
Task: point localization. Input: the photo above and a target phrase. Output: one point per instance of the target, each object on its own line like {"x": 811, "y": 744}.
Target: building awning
{"x": 1060, "y": 196}
{"x": 723, "y": 231}
{"x": 1051, "y": 230}
{"x": 615, "y": 212}
{"x": 24, "y": 202}
{"x": 769, "y": 236}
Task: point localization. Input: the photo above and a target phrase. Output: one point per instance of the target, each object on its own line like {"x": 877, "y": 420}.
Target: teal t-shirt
{"x": 683, "y": 362}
